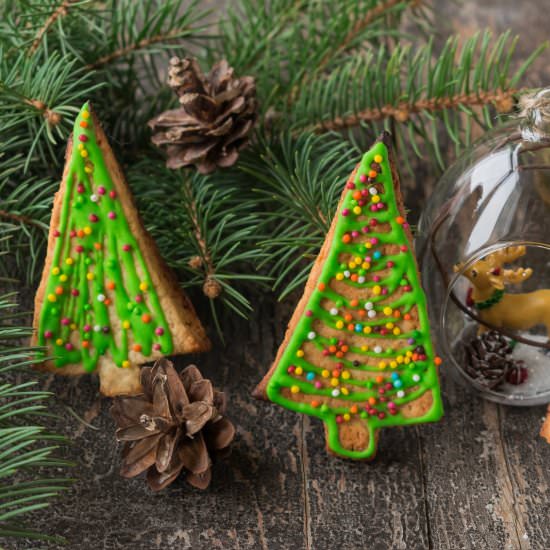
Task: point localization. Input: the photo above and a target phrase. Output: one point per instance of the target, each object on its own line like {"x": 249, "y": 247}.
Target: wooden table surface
{"x": 477, "y": 479}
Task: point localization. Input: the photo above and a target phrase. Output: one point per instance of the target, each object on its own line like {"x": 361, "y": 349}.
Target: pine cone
{"x": 489, "y": 360}
{"x": 216, "y": 115}
{"x": 172, "y": 427}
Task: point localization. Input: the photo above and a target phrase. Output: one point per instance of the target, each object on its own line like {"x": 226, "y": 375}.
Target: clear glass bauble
{"x": 484, "y": 254}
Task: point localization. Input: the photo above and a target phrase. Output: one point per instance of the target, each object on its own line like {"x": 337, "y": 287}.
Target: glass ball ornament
{"x": 484, "y": 253}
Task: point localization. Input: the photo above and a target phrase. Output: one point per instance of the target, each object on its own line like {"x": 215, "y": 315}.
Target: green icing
{"x": 407, "y": 373}
{"x": 99, "y": 295}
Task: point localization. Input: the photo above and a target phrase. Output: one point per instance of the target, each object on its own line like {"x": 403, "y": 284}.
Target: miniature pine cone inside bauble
{"x": 212, "y": 124}
{"x": 173, "y": 427}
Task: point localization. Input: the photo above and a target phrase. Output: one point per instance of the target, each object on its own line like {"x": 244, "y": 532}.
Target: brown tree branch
{"x": 502, "y": 99}
{"x": 18, "y": 218}
{"x": 121, "y": 52}
{"x": 60, "y": 11}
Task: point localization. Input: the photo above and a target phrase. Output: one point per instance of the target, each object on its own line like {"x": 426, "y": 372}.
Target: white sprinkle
{"x": 101, "y": 297}
{"x": 400, "y": 393}
{"x": 94, "y": 198}
{"x": 311, "y": 335}
{"x": 377, "y": 349}
{"x": 333, "y": 311}
{"x": 335, "y": 392}
{"x": 361, "y": 279}
{"x": 371, "y": 313}
{"x": 373, "y": 191}
{"x": 347, "y": 274}
{"x": 97, "y": 328}
{"x": 416, "y": 378}
{"x": 369, "y": 305}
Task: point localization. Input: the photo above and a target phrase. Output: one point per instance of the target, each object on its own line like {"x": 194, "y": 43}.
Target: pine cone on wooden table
{"x": 172, "y": 427}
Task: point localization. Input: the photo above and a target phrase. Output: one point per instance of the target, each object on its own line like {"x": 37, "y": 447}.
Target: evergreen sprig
{"x": 27, "y": 450}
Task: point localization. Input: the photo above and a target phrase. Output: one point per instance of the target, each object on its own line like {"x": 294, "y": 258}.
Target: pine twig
{"x": 401, "y": 113}
{"x": 121, "y": 52}
{"x": 360, "y": 25}
{"x": 60, "y": 11}
{"x": 18, "y": 218}
{"x": 211, "y": 287}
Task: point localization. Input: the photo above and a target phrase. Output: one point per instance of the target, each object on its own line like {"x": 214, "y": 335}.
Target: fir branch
{"x": 162, "y": 23}
{"x": 503, "y": 100}
{"x": 27, "y": 450}
{"x": 60, "y": 11}
{"x": 18, "y": 218}
{"x": 298, "y": 181}
{"x": 131, "y": 48}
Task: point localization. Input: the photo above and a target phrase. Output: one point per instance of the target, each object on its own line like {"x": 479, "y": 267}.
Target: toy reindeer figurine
{"x": 499, "y": 308}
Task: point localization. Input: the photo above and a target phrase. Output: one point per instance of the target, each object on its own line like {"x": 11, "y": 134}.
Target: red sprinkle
{"x": 93, "y": 218}
{"x": 83, "y": 137}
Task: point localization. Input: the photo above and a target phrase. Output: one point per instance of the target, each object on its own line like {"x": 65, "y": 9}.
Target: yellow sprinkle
{"x": 72, "y": 326}
{"x": 347, "y": 417}
{"x": 409, "y": 353}
{"x": 125, "y": 364}
{"x": 325, "y": 373}
{"x": 85, "y": 114}
{"x": 397, "y": 331}
{"x": 52, "y": 297}
{"x": 376, "y": 290}
{"x": 364, "y": 348}
{"x": 339, "y": 276}
{"x": 299, "y": 353}
{"x": 344, "y": 391}
{"x": 90, "y": 276}
{"x": 59, "y": 342}
{"x": 143, "y": 286}
{"x": 126, "y": 325}
{"x": 357, "y": 260}
{"x": 88, "y": 169}
{"x": 69, "y": 261}
{"x": 374, "y": 199}
{"x": 357, "y": 210}
{"x": 334, "y": 382}
{"x": 339, "y": 324}
{"x": 88, "y": 230}
{"x": 367, "y": 330}
{"x": 83, "y": 153}
{"x": 346, "y": 375}
{"x": 299, "y": 371}
{"x": 389, "y": 325}
{"x": 378, "y": 159}
{"x": 399, "y": 359}
{"x": 387, "y": 310}
{"x": 55, "y": 271}
{"x": 407, "y": 360}
{"x": 393, "y": 364}
{"x": 80, "y": 146}
{"x": 368, "y": 245}
{"x": 365, "y": 265}
{"x": 352, "y": 265}
{"x": 382, "y": 365}
{"x": 63, "y": 278}
{"x": 294, "y": 389}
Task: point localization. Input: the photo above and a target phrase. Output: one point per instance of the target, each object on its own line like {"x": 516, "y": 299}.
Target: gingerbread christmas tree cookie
{"x": 106, "y": 301}
{"x": 357, "y": 353}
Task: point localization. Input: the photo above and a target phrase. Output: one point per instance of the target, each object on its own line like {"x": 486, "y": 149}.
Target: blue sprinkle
{"x": 397, "y": 384}
{"x": 377, "y": 255}
{"x": 395, "y": 376}
{"x": 310, "y": 376}
{"x": 358, "y": 328}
